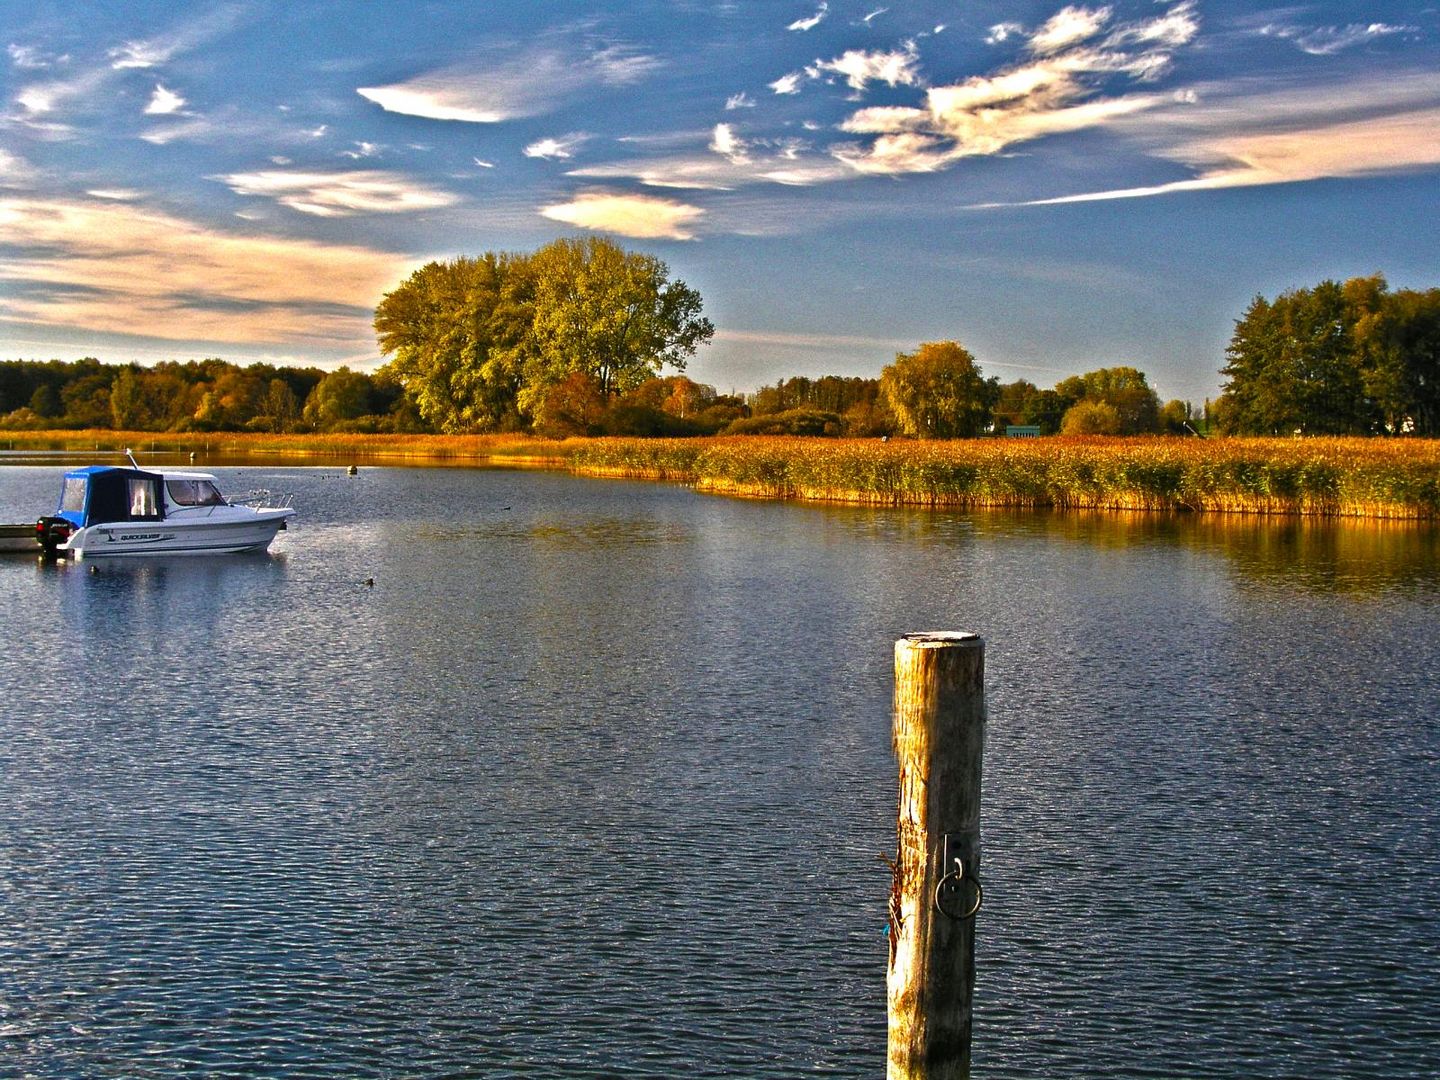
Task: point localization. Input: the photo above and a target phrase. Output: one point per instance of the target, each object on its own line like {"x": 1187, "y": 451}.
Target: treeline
{"x": 917, "y": 396}
{"x": 201, "y": 395}
{"x": 571, "y": 340}
{"x": 1349, "y": 358}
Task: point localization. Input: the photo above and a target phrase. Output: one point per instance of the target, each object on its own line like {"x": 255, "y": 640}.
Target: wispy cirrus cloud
{"x": 1067, "y": 28}
{"x": 639, "y": 216}
{"x": 788, "y": 84}
{"x": 1248, "y": 135}
{"x": 188, "y": 35}
{"x": 859, "y": 67}
{"x": 512, "y": 83}
{"x": 31, "y": 57}
{"x": 13, "y": 170}
{"x": 557, "y": 147}
{"x": 112, "y": 267}
{"x": 339, "y": 194}
{"x": 1080, "y": 70}
{"x": 1327, "y": 40}
{"x": 811, "y": 21}
{"x": 1074, "y": 56}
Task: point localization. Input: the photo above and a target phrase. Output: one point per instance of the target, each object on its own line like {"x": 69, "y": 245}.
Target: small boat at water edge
{"x": 108, "y": 511}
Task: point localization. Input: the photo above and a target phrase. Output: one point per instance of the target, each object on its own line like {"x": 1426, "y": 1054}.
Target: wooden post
{"x": 939, "y": 739}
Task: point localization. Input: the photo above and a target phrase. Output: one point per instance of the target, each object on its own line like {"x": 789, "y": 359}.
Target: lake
{"x": 595, "y": 780}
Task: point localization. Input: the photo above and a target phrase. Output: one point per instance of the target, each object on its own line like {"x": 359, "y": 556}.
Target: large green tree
{"x": 1336, "y": 358}
{"x": 938, "y": 391}
{"x": 612, "y": 314}
{"x": 478, "y": 343}
{"x": 455, "y": 331}
{"x": 1123, "y": 388}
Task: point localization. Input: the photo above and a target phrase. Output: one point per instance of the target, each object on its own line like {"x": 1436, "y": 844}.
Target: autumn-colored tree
{"x": 937, "y": 392}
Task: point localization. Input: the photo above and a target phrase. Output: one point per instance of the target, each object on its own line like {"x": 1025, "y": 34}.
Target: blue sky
{"x": 1058, "y": 187}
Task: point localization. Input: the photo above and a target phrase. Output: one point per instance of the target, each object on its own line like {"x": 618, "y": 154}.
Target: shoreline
{"x": 1316, "y": 477}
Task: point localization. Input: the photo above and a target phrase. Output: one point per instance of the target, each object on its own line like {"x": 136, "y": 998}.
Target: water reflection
{"x": 626, "y": 747}
{"x": 1326, "y": 555}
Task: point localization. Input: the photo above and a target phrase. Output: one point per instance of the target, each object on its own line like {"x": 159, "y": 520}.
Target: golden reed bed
{"x": 1385, "y": 478}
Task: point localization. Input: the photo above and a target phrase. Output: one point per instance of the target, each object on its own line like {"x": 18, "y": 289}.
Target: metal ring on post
{"x": 959, "y": 877}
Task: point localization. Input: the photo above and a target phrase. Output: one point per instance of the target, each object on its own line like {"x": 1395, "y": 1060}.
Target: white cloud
{"x": 435, "y": 101}
{"x": 509, "y": 84}
{"x": 152, "y": 52}
{"x": 1068, "y": 27}
{"x": 726, "y": 143}
{"x": 895, "y": 68}
{"x": 164, "y": 102}
{"x": 29, "y": 58}
{"x": 111, "y": 267}
{"x": 341, "y": 194}
{"x": 741, "y": 100}
{"x": 479, "y": 163}
{"x": 1055, "y": 92}
{"x": 116, "y": 194}
{"x": 1248, "y": 135}
{"x": 1327, "y": 40}
{"x": 197, "y": 128}
{"x": 812, "y": 21}
{"x": 557, "y": 148}
{"x": 620, "y": 65}
{"x": 639, "y": 216}
{"x": 47, "y": 97}
{"x": 1003, "y": 32}
{"x": 788, "y": 84}
{"x": 868, "y": 19}
{"x": 363, "y": 150}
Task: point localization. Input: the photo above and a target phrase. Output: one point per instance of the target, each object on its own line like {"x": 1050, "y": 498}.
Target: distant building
{"x": 1022, "y": 431}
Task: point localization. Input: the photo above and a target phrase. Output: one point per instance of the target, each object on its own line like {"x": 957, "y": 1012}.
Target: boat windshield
{"x": 193, "y": 493}
{"x": 72, "y": 498}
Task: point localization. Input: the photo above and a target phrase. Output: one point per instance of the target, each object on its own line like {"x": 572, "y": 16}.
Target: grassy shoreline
{"x": 1377, "y": 478}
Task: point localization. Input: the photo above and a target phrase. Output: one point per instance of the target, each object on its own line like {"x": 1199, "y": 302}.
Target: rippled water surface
{"x": 594, "y": 781}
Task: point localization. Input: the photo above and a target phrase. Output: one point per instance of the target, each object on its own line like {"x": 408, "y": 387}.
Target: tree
{"x": 281, "y": 409}
{"x": 45, "y": 402}
{"x": 340, "y": 396}
{"x": 611, "y": 314}
{"x": 572, "y": 406}
{"x": 1123, "y": 388}
{"x": 456, "y": 332}
{"x": 479, "y": 342}
{"x": 1311, "y": 362}
{"x": 1091, "y": 418}
{"x": 127, "y": 402}
{"x": 937, "y": 392}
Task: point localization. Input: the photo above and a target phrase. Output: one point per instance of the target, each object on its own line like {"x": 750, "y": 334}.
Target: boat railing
{"x": 263, "y": 498}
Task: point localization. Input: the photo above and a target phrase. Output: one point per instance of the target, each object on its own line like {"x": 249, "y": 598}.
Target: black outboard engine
{"x": 52, "y": 532}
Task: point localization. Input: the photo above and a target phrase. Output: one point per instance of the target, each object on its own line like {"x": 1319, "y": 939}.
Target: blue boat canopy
{"x": 98, "y": 494}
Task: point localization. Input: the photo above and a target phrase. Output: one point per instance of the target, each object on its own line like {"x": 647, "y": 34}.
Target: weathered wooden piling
{"x": 939, "y": 738}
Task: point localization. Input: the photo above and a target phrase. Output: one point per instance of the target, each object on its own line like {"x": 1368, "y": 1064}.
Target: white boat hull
{"x": 216, "y": 534}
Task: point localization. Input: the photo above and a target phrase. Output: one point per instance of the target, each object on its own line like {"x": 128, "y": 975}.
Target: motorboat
{"x": 108, "y": 510}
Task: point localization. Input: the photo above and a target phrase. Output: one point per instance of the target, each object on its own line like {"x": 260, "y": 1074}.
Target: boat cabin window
{"x": 193, "y": 493}
{"x": 142, "y": 498}
{"x": 72, "y": 498}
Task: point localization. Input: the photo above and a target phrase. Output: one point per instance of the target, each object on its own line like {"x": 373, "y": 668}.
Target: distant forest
{"x": 215, "y": 395}
{"x": 1337, "y": 358}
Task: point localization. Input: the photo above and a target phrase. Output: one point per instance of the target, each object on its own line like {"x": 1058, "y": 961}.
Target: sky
{"x": 1058, "y": 187}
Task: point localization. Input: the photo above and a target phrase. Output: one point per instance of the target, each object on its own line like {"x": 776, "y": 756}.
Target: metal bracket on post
{"x": 952, "y": 881}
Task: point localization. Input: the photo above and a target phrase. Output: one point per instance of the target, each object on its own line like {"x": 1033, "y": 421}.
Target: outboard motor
{"x": 51, "y": 532}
